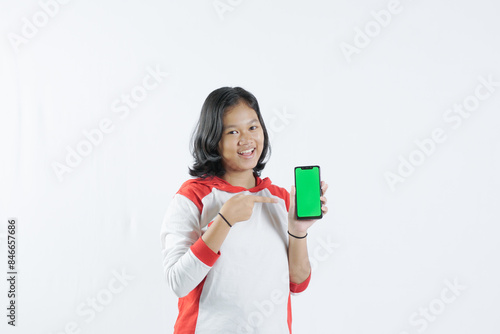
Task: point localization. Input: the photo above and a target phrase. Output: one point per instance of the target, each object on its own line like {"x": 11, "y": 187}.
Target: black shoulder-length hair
{"x": 208, "y": 132}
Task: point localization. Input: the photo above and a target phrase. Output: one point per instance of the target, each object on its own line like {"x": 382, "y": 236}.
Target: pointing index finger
{"x": 263, "y": 199}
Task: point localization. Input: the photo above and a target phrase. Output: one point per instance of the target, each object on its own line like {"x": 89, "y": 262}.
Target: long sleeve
{"x": 246, "y": 289}
{"x": 186, "y": 257}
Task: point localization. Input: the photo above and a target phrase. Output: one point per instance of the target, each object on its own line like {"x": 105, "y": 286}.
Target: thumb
{"x": 291, "y": 207}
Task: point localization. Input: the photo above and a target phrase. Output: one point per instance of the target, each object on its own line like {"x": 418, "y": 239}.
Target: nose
{"x": 245, "y": 138}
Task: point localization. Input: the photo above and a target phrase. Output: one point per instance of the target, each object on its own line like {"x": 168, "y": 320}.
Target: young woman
{"x": 233, "y": 251}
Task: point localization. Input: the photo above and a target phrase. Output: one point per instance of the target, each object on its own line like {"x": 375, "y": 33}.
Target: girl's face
{"x": 242, "y": 139}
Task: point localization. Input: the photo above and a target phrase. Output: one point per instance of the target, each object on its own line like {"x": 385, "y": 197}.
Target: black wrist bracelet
{"x": 296, "y": 236}
{"x": 225, "y": 220}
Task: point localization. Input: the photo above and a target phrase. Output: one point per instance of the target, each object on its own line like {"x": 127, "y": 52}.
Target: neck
{"x": 243, "y": 179}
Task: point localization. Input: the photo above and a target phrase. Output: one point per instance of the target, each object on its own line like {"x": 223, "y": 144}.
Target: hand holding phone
{"x": 308, "y": 192}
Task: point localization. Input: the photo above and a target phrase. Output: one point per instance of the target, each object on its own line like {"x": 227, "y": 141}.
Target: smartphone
{"x": 308, "y": 192}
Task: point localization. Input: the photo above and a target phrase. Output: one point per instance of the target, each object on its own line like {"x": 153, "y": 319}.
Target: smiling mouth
{"x": 247, "y": 153}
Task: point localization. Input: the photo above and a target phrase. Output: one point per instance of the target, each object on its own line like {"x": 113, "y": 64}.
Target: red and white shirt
{"x": 245, "y": 287}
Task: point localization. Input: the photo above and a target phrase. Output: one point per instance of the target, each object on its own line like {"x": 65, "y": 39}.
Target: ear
{"x": 219, "y": 148}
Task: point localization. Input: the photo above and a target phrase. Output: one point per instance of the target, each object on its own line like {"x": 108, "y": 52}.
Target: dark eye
{"x": 231, "y": 132}
{"x": 253, "y": 127}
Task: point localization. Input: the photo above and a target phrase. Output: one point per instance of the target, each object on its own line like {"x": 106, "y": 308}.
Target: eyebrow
{"x": 234, "y": 126}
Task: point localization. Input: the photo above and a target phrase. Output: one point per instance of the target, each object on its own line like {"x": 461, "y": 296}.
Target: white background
{"x": 355, "y": 115}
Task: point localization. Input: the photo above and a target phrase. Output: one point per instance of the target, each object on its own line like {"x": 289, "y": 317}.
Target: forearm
{"x": 187, "y": 271}
{"x": 216, "y": 234}
{"x": 184, "y": 273}
{"x": 298, "y": 260}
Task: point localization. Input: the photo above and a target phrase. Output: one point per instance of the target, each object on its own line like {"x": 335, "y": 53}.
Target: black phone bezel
{"x": 320, "y": 194}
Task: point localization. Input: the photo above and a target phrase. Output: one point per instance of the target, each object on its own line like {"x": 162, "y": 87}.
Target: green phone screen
{"x": 308, "y": 192}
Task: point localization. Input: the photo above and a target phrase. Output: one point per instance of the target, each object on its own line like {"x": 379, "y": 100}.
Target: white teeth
{"x": 247, "y": 151}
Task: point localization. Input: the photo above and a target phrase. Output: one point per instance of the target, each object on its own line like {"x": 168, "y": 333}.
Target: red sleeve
{"x": 194, "y": 191}
{"x": 204, "y": 253}
{"x": 296, "y": 288}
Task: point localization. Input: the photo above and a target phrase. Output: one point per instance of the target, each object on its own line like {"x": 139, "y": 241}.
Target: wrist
{"x": 224, "y": 220}
{"x": 297, "y": 229}
{"x": 297, "y": 235}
